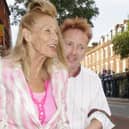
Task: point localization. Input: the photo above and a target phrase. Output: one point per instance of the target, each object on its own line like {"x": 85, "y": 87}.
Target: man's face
{"x": 75, "y": 46}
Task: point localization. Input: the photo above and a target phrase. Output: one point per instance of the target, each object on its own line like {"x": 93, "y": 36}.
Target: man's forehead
{"x": 69, "y": 30}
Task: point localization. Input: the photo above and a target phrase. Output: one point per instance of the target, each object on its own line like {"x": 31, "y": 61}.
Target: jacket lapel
{"x": 22, "y": 86}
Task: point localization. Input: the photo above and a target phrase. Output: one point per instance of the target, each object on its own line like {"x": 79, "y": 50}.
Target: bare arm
{"x": 95, "y": 124}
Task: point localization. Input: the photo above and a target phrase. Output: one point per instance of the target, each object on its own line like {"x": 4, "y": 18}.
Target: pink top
{"x": 16, "y": 109}
{"x": 44, "y": 103}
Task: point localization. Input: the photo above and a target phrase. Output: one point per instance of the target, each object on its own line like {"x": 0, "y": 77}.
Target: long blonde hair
{"x": 20, "y": 52}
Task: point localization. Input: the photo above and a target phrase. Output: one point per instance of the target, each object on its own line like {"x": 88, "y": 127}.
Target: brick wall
{"x": 5, "y": 27}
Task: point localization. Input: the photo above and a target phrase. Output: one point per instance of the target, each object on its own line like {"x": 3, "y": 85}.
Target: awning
{"x": 1, "y": 30}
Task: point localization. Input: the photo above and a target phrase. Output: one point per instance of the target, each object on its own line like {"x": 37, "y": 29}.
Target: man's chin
{"x": 72, "y": 66}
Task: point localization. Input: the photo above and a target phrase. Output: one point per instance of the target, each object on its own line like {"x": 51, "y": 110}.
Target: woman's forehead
{"x": 46, "y": 20}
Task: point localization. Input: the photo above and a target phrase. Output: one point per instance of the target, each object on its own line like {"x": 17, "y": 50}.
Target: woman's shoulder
{"x": 59, "y": 72}
{"x": 8, "y": 64}
{"x": 5, "y": 63}
{"x": 59, "y": 69}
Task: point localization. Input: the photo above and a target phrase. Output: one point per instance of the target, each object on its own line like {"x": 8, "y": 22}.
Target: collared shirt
{"x": 85, "y": 93}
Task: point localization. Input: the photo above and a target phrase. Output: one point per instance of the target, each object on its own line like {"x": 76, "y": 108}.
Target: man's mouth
{"x": 71, "y": 58}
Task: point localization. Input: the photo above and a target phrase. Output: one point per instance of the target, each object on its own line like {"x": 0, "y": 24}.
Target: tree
{"x": 121, "y": 43}
{"x": 65, "y": 8}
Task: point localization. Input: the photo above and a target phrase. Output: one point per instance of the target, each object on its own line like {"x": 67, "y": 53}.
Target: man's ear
{"x": 26, "y": 34}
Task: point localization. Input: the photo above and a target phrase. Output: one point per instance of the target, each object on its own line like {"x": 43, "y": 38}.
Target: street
{"x": 120, "y": 122}
{"x": 120, "y": 112}
{"x": 119, "y": 107}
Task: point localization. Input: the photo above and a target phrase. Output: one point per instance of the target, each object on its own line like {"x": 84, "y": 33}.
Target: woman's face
{"x": 43, "y": 35}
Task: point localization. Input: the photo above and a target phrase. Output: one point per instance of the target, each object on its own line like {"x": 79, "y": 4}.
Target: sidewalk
{"x": 119, "y": 107}
{"x": 120, "y": 112}
{"x": 120, "y": 122}
{"x": 118, "y": 100}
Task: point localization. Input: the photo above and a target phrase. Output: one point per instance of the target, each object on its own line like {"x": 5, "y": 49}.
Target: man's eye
{"x": 69, "y": 44}
{"x": 81, "y": 47}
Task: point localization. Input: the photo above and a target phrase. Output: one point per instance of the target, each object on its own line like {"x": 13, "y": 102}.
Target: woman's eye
{"x": 47, "y": 30}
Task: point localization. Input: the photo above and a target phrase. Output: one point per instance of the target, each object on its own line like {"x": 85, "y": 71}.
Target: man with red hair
{"x": 87, "y": 107}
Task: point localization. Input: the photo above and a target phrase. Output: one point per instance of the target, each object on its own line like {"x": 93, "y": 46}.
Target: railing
{"x": 116, "y": 85}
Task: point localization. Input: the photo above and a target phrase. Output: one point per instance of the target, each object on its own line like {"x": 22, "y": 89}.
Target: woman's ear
{"x": 26, "y": 34}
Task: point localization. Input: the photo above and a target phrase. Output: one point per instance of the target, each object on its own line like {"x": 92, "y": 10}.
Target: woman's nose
{"x": 54, "y": 36}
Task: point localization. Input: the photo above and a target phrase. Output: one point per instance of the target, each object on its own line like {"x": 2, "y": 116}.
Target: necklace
{"x": 40, "y": 104}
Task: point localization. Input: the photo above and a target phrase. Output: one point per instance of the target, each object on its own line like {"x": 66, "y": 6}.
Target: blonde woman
{"x": 31, "y": 77}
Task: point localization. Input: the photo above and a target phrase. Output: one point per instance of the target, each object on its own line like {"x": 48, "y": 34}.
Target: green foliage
{"x": 73, "y": 8}
{"x": 17, "y": 10}
{"x": 121, "y": 44}
{"x": 65, "y": 8}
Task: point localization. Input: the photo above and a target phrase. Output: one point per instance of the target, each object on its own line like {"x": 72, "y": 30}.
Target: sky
{"x": 111, "y": 12}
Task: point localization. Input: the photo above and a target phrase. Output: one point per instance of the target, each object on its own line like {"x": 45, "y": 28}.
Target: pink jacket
{"x": 16, "y": 107}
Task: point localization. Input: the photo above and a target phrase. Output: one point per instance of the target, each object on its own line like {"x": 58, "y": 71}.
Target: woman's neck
{"x": 35, "y": 79}
{"x": 36, "y": 85}
{"x": 36, "y": 63}
{"x": 36, "y": 60}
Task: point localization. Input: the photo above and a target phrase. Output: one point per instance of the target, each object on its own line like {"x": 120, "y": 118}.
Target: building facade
{"x": 101, "y": 57}
{"x": 5, "y": 35}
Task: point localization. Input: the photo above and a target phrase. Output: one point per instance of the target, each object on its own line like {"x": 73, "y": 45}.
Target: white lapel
{"x": 22, "y": 86}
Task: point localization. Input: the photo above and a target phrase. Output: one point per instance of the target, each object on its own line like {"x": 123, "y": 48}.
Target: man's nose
{"x": 74, "y": 51}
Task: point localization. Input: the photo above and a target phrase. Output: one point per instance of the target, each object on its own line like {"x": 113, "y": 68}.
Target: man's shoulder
{"x": 87, "y": 71}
